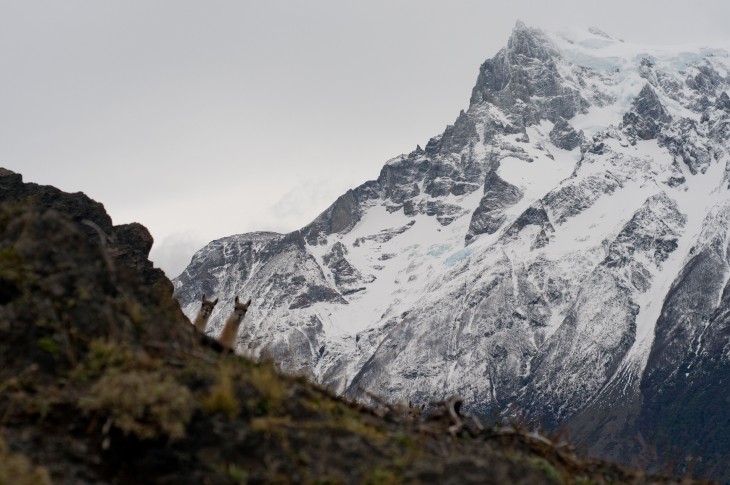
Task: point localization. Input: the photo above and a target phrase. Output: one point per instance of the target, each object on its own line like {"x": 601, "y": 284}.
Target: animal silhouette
{"x": 230, "y": 330}
{"x": 206, "y": 308}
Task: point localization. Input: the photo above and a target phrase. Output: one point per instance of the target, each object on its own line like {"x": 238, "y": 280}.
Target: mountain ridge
{"x": 522, "y": 258}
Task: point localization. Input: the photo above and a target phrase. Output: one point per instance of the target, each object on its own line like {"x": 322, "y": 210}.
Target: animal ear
{"x": 236, "y": 299}
{"x": 249, "y": 303}
{"x": 203, "y": 296}
{"x": 215, "y": 301}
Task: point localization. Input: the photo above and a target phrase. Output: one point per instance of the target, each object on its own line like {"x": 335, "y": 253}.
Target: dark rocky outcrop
{"x": 347, "y": 278}
{"x": 564, "y": 136}
{"x": 457, "y": 136}
{"x": 127, "y": 244}
{"x": 687, "y": 141}
{"x": 647, "y": 115}
{"x": 444, "y": 212}
{"x": 705, "y": 80}
{"x": 489, "y": 216}
{"x": 647, "y": 232}
{"x": 342, "y": 215}
{"x": 723, "y": 102}
{"x": 315, "y": 294}
{"x": 534, "y": 215}
{"x": 685, "y": 385}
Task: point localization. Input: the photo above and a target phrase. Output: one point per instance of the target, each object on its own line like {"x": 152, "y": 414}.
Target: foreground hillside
{"x": 102, "y": 380}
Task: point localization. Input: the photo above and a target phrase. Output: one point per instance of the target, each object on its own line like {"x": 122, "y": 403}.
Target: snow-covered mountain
{"x": 560, "y": 251}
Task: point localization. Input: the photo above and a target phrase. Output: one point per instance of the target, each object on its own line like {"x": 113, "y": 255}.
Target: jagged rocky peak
{"x": 523, "y": 79}
{"x": 342, "y": 215}
{"x": 457, "y": 136}
{"x": 647, "y": 116}
{"x": 647, "y": 104}
{"x": 529, "y": 42}
{"x": 543, "y": 289}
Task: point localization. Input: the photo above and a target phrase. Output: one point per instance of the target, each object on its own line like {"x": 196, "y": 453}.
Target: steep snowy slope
{"x": 561, "y": 250}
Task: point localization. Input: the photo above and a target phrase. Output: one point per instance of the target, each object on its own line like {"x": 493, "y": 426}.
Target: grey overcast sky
{"x": 202, "y": 119}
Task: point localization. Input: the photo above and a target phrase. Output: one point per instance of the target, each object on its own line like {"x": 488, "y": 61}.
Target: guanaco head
{"x": 240, "y": 309}
{"x": 206, "y": 307}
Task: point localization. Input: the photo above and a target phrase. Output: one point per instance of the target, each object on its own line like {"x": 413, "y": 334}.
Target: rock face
{"x": 71, "y": 282}
{"x": 490, "y": 215}
{"x": 524, "y": 80}
{"x": 564, "y": 136}
{"x": 647, "y": 115}
{"x": 559, "y": 250}
{"x": 128, "y": 244}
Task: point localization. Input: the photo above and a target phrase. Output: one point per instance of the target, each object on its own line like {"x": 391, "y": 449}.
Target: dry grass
{"x": 146, "y": 404}
{"x": 16, "y": 469}
{"x": 222, "y": 396}
{"x": 269, "y": 385}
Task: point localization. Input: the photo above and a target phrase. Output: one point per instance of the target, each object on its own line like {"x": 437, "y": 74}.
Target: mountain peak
{"x": 529, "y": 42}
{"x": 525, "y": 255}
{"x": 524, "y": 81}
